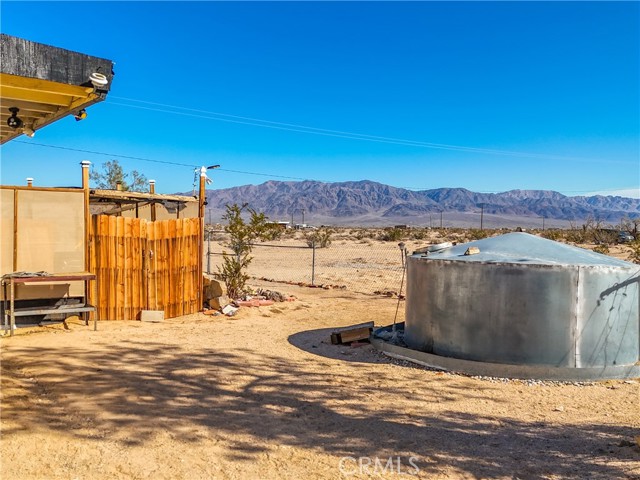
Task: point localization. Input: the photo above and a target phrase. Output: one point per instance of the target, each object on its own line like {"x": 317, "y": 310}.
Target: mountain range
{"x": 367, "y": 203}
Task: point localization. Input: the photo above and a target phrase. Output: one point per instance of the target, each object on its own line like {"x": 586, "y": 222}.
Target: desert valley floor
{"x": 265, "y": 395}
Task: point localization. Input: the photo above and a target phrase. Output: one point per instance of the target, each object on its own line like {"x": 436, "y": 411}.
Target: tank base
{"x": 524, "y": 372}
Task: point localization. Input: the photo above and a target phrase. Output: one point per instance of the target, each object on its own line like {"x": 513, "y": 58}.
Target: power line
{"x": 266, "y": 175}
{"x": 229, "y": 118}
{"x": 106, "y": 154}
{"x": 260, "y": 174}
{"x": 116, "y": 155}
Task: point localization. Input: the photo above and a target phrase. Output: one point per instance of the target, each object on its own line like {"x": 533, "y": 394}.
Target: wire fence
{"x": 365, "y": 266}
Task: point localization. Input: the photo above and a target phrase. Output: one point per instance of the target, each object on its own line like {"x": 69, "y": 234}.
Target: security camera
{"x": 14, "y": 121}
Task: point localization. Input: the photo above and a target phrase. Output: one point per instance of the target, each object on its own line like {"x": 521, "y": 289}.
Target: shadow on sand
{"x": 146, "y": 386}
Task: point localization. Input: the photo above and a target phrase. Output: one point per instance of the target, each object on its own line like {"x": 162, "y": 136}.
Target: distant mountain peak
{"x": 372, "y": 200}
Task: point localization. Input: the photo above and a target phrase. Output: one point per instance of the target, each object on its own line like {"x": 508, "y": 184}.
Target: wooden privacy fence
{"x": 143, "y": 265}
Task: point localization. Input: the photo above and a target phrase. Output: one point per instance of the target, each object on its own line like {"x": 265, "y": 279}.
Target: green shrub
{"x": 392, "y": 235}
{"x": 419, "y": 234}
{"x": 552, "y": 235}
{"x": 603, "y": 249}
{"x": 477, "y": 234}
{"x": 241, "y": 236}
{"x": 635, "y": 251}
{"x": 320, "y": 238}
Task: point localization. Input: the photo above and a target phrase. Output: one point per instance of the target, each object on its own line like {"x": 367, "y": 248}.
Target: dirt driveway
{"x": 264, "y": 395}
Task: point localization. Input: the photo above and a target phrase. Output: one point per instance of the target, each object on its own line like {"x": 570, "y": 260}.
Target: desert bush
{"x": 602, "y": 248}
{"x": 419, "y": 234}
{"x": 477, "y": 234}
{"x": 555, "y": 235}
{"x": 241, "y": 236}
{"x": 630, "y": 225}
{"x": 288, "y": 233}
{"x": 605, "y": 236}
{"x": 576, "y": 235}
{"x": 635, "y": 251}
{"x": 392, "y": 235}
{"x": 320, "y": 238}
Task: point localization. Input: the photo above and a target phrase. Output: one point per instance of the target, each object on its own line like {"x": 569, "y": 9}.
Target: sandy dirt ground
{"x": 264, "y": 395}
{"x": 365, "y": 265}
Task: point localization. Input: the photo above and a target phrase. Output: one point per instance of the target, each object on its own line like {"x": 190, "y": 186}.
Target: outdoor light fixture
{"x": 98, "y": 80}
{"x": 81, "y": 115}
{"x": 14, "y": 121}
{"x": 213, "y": 166}
{"x": 29, "y": 132}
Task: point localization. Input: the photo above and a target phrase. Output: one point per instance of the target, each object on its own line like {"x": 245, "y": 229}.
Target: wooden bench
{"x": 11, "y": 312}
{"x": 66, "y": 310}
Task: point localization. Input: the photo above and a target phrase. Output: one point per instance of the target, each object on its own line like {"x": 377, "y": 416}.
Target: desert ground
{"x": 264, "y": 395}
{"x": 357, "y": 259}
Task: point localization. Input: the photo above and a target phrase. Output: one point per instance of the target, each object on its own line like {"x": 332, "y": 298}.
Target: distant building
{"x": 282, "y": 225}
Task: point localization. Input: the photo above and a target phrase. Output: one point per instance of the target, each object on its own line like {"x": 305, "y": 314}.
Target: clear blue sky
{"x": 557, "y": 82}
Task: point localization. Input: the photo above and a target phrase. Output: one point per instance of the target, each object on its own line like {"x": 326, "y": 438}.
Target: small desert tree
{"x": 112, "y": 173}
{"x": 320, "y": 238}
{"x": 242, "y": 235}
{"x": 630, "y": 225}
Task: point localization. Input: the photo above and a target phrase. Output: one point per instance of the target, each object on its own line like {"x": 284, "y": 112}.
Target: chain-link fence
{"x": 365, "y": 266}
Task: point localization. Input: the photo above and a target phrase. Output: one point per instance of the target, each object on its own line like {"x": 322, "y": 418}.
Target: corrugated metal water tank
{"x": 524, "y": 300}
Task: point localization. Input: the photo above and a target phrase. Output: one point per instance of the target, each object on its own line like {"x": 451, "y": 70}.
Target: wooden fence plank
{"x": 131, "y": 278}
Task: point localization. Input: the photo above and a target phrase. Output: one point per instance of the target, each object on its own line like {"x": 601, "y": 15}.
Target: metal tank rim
{"x": 633, "y": 269}
{"x": 524, "y": 249}
{"x": 504, "y": 370}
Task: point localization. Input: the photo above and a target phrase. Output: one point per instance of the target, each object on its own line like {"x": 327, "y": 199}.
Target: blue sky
{"x": 526, "y": 95}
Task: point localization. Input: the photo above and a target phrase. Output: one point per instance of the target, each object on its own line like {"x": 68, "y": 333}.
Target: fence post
{"x": 313, "y": 262}
{"x": 209, "y": 253}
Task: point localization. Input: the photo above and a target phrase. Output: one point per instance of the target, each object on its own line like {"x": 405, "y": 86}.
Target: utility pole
{"x": 440, "y": 219}
{"x": 481, "y": 216}
{"x": 543, "y": 223}
{"x": 303, "y": 216}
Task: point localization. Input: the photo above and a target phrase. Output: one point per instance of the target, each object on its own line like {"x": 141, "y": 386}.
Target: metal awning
{"x": 40, "y": 84}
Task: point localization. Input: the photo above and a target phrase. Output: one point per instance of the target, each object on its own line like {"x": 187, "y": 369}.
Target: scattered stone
{"x": 386, "y": 293}
{"x": 229, "y": 310}
{"x": 254, "y": 302}
{"x": 216, "y": 303}
{"x": 559, "y": 408}
{"x": 271, "y": 295}
{"x": 212, "y": 288}
{"x": 152, "y": 316}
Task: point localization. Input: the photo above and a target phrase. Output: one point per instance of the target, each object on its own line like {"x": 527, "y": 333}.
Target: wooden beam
{"x": 29, "y": 59}
{"x": 43, "y": 86}
{"x": 11, "y": 93}
{"x": 354, "y": 333}
{"x": 87, "y": 228}
{"x": 41, "y": 189}
{"x": 152, "y": 191}
{"x": 26, "y": 106}
{"x": 15, "y": 230}
{"x": 201, "y": 199}
{"x": 138, "y": 196}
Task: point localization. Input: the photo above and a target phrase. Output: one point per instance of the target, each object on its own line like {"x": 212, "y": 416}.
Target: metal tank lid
{"x": 524, "y": 248}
